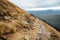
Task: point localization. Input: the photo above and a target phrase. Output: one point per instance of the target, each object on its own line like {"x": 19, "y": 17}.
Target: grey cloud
{"x": 36, "y": 3}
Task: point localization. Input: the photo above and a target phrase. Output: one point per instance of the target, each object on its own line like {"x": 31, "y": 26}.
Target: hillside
{"x": 54, "y": 20}
{"x": 17, "y": 24}
{"x": 50, "y": 16}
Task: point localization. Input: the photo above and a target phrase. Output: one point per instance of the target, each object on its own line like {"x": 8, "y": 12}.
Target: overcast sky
{"x": 36, "y": 3}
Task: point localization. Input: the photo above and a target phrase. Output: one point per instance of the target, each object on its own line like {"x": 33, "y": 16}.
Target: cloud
{"x": 40, "y": 9}
{"x": 25, "y": 3}
{"x": 36, "y": 3}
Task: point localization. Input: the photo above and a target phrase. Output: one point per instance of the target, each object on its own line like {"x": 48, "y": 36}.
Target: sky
{"x": 27, "y": 4}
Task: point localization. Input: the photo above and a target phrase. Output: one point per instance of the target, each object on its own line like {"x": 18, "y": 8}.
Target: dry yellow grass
{"x": 50, "y": 28}
{"x": 17, "y": 24}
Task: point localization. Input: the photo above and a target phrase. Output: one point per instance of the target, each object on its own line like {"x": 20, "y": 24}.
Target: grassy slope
{"x": 51, "y": 28}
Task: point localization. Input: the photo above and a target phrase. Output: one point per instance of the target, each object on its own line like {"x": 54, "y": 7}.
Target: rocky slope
{"x": 17, "y": 24}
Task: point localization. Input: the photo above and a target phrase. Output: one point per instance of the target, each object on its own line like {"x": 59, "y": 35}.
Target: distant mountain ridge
{"x": 50, "y": 16}
{"x": 54, "y": 20}
{"x": 45, "y": 12}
